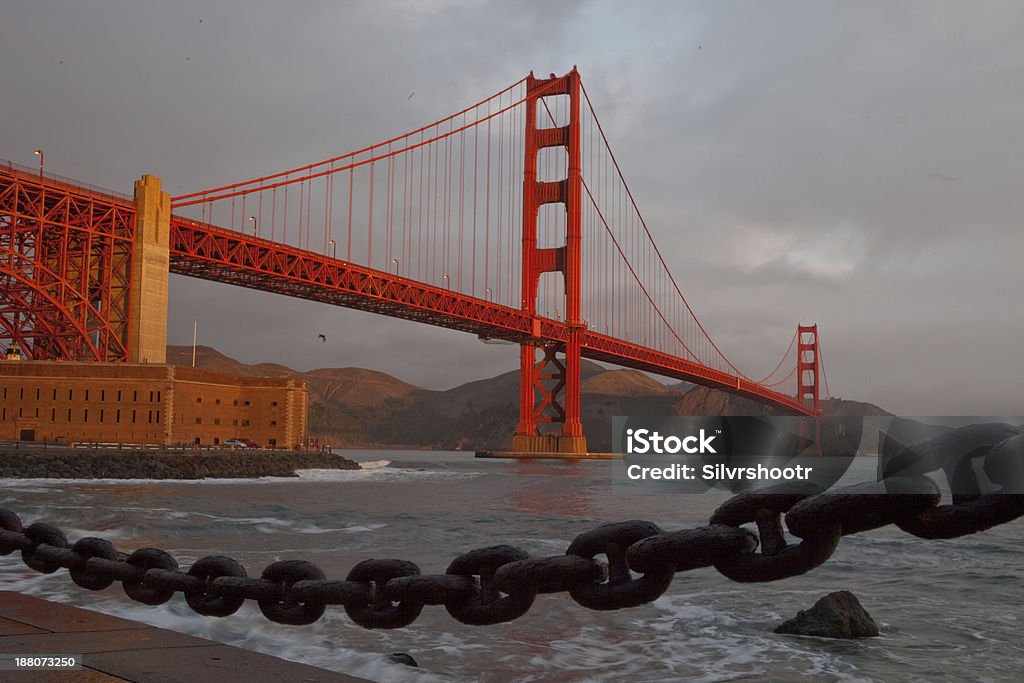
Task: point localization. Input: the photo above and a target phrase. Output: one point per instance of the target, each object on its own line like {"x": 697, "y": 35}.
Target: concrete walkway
{"x": 117, "y": 649}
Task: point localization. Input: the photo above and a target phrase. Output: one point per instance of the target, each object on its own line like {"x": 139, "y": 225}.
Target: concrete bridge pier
{"x": 147, "y": 323}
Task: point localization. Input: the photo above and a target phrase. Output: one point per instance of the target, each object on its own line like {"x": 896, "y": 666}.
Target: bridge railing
{"x": 69, "y": 183}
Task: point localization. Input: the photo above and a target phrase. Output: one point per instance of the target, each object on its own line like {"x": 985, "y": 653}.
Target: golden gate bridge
{"x": 510, "y": 219}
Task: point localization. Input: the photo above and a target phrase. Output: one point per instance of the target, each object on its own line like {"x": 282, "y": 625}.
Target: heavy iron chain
{"x": 500, "y": 583}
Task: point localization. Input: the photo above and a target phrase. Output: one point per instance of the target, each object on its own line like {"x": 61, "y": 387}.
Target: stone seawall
{"x": 155, "y": 464}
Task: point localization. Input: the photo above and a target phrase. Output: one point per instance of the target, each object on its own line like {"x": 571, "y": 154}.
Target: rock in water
{"x": 837, "y": 615}
{"x": 402, "y": 658}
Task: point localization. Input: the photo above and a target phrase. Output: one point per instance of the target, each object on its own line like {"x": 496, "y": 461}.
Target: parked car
{"x": 249, "y": 443}
{"x": 235, "y": 443}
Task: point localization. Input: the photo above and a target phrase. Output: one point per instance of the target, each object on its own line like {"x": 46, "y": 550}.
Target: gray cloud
{"x": 857, "y": 165}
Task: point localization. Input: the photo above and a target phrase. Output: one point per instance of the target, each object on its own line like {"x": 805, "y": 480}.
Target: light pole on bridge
{"x": 42, "y": 155}
{"x": 395, "y": 261}
{"x": 334, "y": 248}
{"x": 255, "y": 226}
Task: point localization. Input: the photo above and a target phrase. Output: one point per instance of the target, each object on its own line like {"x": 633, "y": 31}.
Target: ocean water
{"x": 948, "y": 610}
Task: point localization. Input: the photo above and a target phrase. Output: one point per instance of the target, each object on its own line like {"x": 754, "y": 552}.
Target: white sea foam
{"x": 375, "y": 470}
{"x": 384, "y": 473}
{"x": 275, "y": 524}
{"x": 374, "y": 464}
{"x": 46, "y": 485}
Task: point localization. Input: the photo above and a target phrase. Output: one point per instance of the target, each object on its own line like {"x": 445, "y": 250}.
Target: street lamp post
{"x": 447, "y": 281}
{"x": 42, "y": 155}
{"x": 487, "y": 293}
{"x": 334, "y": 248}
{"x": 395, "y": 261}
{"x": 255, "y": 225}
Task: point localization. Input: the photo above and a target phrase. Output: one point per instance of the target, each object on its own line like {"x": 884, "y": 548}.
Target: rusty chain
{"x": 500, "y": 583}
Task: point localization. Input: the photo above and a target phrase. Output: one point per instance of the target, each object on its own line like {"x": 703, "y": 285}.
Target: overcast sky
{"x": 859, "y": 165}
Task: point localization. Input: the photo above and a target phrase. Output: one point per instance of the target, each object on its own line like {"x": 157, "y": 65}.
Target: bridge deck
{"x": 203, "y": 250}
{"x": 116, "y": 649}
{"x": 206, "y": 251}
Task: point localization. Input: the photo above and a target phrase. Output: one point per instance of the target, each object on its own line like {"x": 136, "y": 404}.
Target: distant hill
{"x": 360, "y": 407}
{"x": 209, "y": 358}
{"x": 704, "y": 401}
{"x": 625, "y": 383}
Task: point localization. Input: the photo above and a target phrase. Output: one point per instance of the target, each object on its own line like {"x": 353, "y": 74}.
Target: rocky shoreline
{"x": 67, "y": 463}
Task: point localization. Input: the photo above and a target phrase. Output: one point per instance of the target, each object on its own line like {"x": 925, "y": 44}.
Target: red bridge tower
{"x": 807, "y": 367}
{"x": 549, "y": 388}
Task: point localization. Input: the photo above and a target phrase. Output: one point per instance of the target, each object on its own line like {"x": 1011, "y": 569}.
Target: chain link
{"x": 499, "y": 583}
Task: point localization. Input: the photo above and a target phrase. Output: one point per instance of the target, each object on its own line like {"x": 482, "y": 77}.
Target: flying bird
{"x": 323, "y": 338}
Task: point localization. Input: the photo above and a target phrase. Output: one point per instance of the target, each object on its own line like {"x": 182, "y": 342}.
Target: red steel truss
{"x": 65, "y": 268}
